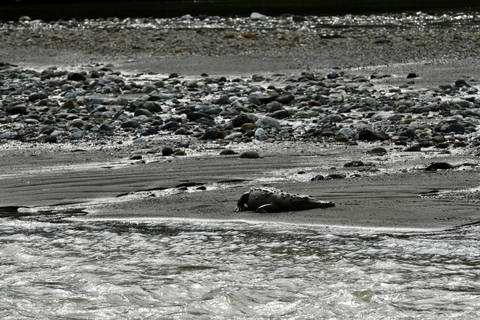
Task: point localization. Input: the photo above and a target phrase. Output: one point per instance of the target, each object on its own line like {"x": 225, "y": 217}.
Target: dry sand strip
{"x": 387, "y": 201}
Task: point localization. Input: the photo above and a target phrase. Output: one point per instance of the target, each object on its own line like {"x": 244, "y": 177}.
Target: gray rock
{"x": 210, "y": 135}
{"x": 274, "y": 106}
{"x": 37, "y": 96}
{"x": 78, "y": 134}
{"x": 143, "y": 112}
{"x": 130, "y": 124}
{"x": 223, "y": 99}
{"x": 285, "y": 99}
{"x": 107, "y": 127}
{"x": 333, "y": 118}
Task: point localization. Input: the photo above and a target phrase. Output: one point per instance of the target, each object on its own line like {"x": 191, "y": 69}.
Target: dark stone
{"x": 456, "y": 128}
{"x": 17, "y": 109}
{"x": 239, "y": 120}
{"x": 413, "y": 148}
{"x": 223, "y": 99}
{"x": 318, "y": 177}
{"x": 51, "y": 139}
{"x": 210, "y": 135}
{"x": 439, "y": 166}
{"x": 335, "y": 176}
{"x": 228, "y": 152}
{"x": 152, "y": 106}
{"x": 130, "y": 124}
{"x": 37, "y": 96}
{"x": 367, "y": 135}
{"x": 285, "y": 99}
{"x": 280, "y": 114}
{"x": 354, "y": 164}
{"x": 269, "y": 98}
{"x": 107, "y": 127}
{"x": 194, "y": 116}
{"x": 250, "y": 155}
{"x": 378, "y": 151}
{"x": 47, "y": 130}
{"x": 76, "y": 77}
{"x": 149, "y": 132}
{"x": 171, "y": 125}
{"x": 143, "y": 112}
{"x": 461, "y": 83}
{"x": 382, "y": 136}
{"x": 412, "y": 75}
{"x": 181, "y": 131}
{"x": 167, "y": 151}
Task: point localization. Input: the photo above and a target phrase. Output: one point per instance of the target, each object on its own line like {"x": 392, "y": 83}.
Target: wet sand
{"x": 106, "y": 185}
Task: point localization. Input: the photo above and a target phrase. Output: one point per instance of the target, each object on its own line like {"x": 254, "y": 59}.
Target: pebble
{"x": 61, "y": 106}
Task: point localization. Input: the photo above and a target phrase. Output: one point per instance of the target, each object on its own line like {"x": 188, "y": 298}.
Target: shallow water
{"x": 73, "y": 269}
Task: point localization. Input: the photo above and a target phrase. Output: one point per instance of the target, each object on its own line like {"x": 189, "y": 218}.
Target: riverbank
{"x": 392, "y": 191}
{"x": 127, "y": 119}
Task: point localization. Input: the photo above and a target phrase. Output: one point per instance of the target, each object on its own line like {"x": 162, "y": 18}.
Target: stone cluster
{"x": 98, "y": 104}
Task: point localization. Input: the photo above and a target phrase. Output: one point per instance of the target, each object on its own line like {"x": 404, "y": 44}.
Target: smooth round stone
{"x": 462, "y": 103}
{"x": 285, "y": 99}
{"x": 380, "y": 151}
{"x": 17, "y": 109}
{"x": 228, "y": 152}
{"x": 249, "y": 155}
{"x": 258, "y": 16}
{"x": 143, "y": 112}
{"x": 140, "y": 140}
{"x": 77, "y": 123}
{"x": 37, "y": 96}
{"x": 413, "y": 148}
{"x": 347, "y": 132}
{"x": 259, "y": 133}
{"x": 223, "y": 99}
{"x": 107, "y": 127}
{"x": 267, "y": 121}
{"x": 210, "y": 135}
{"x": 234, "y": 136}
{"x": 78, "y": 134}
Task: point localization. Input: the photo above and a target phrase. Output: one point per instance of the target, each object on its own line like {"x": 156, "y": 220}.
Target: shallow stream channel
{"x": 66, "y": 268}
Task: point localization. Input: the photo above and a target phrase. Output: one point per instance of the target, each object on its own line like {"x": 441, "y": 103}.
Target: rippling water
{"x": 53, "y": 268}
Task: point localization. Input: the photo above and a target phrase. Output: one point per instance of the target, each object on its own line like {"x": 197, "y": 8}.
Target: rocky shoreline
{"x": 411, "y": 96}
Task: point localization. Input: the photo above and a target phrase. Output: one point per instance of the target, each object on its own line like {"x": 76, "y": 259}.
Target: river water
{"x": 61, "y": 268}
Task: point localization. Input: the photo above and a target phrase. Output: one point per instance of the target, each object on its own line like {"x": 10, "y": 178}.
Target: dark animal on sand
{"x": 269, "y": 199}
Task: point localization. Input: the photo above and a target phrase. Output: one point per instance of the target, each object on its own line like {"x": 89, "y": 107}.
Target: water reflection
{"x": 174, "y": 269}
